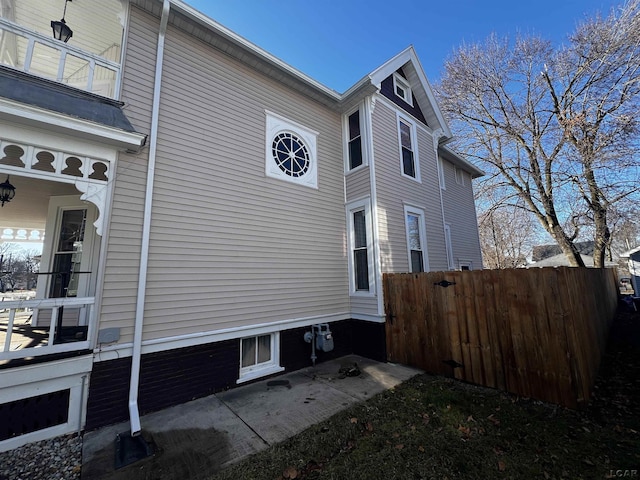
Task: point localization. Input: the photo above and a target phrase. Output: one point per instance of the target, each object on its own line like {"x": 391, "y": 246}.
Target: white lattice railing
{"x": 50, "y": 344}
{"x": 72, "y": 66}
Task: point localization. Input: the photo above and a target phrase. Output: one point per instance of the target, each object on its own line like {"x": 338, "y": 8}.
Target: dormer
{"x": 89, "y": 60}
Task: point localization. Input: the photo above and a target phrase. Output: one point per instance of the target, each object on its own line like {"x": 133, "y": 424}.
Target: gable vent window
{"x": 290, "y": 151}
{"x": 402, "y": 89}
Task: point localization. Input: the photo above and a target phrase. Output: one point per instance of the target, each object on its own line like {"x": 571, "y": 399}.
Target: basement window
{"x": 259, "y": 356}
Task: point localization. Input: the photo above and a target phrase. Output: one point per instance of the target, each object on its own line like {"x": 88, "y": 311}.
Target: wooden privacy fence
{"x": 537, "y": 332}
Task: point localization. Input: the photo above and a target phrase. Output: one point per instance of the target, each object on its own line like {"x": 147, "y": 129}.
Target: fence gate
{"x": 535, "y": 332}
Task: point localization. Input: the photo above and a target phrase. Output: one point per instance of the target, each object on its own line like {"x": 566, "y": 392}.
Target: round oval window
{"x": 291, "y": 154}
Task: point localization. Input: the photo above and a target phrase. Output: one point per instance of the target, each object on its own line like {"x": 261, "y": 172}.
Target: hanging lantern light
{"x": 60, "y": 29}
{"x": 7, "y": 192}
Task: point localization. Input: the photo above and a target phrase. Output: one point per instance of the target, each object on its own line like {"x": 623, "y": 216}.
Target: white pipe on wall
{"x": 134, "y": 413}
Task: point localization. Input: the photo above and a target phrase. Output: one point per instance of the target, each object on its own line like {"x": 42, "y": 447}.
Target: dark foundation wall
{"x": 177, "y": 376}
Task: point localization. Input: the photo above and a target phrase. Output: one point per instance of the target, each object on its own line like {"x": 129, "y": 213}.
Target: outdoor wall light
{"x": 60, "y": 29}
{"x": 7, "y": 192}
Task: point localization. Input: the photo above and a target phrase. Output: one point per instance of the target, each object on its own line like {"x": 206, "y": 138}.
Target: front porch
{"x": 23, "y": 343}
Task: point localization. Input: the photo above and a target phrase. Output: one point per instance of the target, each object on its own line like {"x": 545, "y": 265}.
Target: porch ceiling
{"x": 28, "y": 209}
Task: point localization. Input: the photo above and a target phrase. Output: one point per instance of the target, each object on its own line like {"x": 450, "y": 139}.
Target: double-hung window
{"x": 360, "y": 240}
{"x": 416, "y": 239}
{"x": 355, "y": 140}
{"x": 408, "y": 150}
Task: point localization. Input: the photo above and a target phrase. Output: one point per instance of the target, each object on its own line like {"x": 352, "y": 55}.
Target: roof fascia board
{"x": 29, "y": 115}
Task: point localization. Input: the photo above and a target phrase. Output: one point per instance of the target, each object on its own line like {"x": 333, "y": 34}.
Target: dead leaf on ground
{"x": 493, "y": 420}
{"x": 353, "y": 420}
{"x": 465, "y": 430}
{"x": 290, "y": 473}
{"x": 502, "y": 466}
{"x": 399, "y": 446}
{"x": 369, "y": 427}
{"x": 421, "y": 448}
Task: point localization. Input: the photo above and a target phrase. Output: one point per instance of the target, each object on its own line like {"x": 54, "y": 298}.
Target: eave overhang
{"x": 30, "y": 100}
{"x": 460, "y": 162}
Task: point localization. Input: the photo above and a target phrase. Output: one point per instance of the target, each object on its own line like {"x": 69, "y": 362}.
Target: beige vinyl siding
{"x": 364, "y": 305}
{"x": 125, "y": 227}
{"x": 395, "y": 190}
{"x": 229, "y": 246}
{"x": 358, "y": 184}
{"x": 460, "y": 214}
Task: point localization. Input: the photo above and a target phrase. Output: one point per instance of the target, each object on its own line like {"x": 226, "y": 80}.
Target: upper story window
{"x": 408, "y": 151}
{"x": 90, "y": 60}
{"x": 402, "y": 88}
{"x": 290, "y": 151}
{"x": 354, "y": 127}
{"x": 459, "y": 176}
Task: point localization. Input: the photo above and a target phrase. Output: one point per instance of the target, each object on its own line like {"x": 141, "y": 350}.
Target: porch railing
{"x": 45, "y": 343}
{"x": 76, "y": 67}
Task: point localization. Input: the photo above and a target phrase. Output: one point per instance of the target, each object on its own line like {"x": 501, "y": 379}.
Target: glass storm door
{"x": 66, "y": 268}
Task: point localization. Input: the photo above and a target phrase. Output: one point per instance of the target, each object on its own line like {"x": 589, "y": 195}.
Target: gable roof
{"x": 420, "y": 86}
{"x": 209, "y": 31}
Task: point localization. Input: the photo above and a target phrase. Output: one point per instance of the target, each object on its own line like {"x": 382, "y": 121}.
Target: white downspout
{"x": 369, "y": 105}
{"x": 134, "y": 414}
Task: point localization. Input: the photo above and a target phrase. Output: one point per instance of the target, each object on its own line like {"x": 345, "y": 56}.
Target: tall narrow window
{"x": 360, "y": 255}
{"x": 415, "y": 245}
{"x": 447, "y": 239}
{"x": 414, "y": 222}
{"x": 355, "y": 141}
{"x": 408, "y": 153}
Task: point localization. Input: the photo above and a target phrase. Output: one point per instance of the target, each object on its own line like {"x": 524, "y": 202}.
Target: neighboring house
{"x": 542, "y": 252}
{"x": 633, "y": 262}
{"x": 561, "y": 260}
{"x": 204, "y": 206}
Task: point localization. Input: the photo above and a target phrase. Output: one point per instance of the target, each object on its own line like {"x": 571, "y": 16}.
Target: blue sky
{"x": 337, "y": 42}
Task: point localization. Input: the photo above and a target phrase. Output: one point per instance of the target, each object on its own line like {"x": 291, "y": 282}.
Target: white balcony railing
{"x": 40, "y": 55}
{"x": 21, "y": 340}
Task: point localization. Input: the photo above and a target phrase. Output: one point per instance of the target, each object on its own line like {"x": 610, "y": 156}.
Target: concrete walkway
{"x": 204, "y": 436}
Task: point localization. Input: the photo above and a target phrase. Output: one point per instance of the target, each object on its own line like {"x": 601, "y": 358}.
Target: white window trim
{"x": 459, "y": 174}
{"x": 363, "y": 139}
{"x": 465, "y": 263}
{"x": 351, "y": 208}
{"x": 419, "y": 212}
{"x": 263, "y": 369}
{"x": 276, "y": 124}
{"x": 449, "y": 246}
{"x": 404, "y": 84}
{"x": 414, "y": 146}
{"x": 441, "y": 177}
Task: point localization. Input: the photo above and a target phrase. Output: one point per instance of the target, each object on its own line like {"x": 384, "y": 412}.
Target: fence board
{"x": 538, "y": 333}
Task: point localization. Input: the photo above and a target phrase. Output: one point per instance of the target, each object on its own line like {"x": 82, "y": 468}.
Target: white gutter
{"x": 134, "y": 413}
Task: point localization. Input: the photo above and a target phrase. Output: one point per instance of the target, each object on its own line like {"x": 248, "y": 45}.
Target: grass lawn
{"x": 438, "y": 428}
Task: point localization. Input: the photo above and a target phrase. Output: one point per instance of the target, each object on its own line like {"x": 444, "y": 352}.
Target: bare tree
{"x": 506, "y": 234}
{"x": 554, "y": 128}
